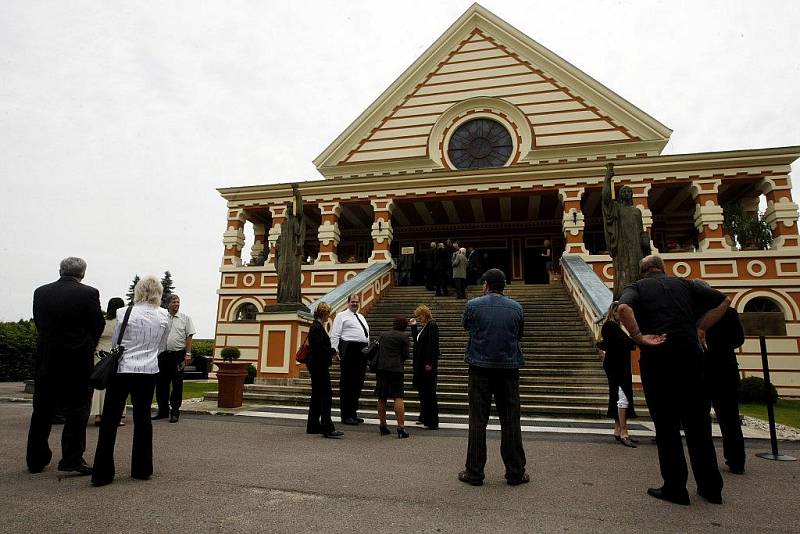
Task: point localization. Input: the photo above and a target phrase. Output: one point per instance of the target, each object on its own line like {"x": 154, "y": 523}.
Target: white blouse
{"x": 144, "y": 338}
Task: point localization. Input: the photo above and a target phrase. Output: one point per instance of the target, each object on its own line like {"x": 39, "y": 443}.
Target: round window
{"x": 480, "y": 143}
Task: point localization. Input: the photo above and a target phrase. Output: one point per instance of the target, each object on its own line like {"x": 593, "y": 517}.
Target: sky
{"x": 118, "y": 120}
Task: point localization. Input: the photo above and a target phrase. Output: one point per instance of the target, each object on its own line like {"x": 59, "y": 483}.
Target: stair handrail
{"x": 591, "y": 295}
{"x": 373, "y": 277}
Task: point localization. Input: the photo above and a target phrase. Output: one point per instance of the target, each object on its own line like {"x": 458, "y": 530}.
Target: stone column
{"x": 641, "y": 199}
{"x": 781, "y": 214}
{"x": 259, "y": 231}
{"x": 572, "y": 222}
{"x": 381, "y": 229}
{"x": 233, "y": 238}
{"x": 328, "y": 232}
{"x": 278, "y": 216}
{"x": 708, "y": 216}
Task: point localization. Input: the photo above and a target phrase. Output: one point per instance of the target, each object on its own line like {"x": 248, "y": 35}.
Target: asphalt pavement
{"x": 220, "y": 474}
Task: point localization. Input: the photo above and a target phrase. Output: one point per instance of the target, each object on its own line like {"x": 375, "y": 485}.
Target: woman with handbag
{"x": 143, "y": 335}
{"x": 320, "y": 355}
{"x": 392, "y": 352}
{"x": 426, "y": 365}
{"x": 104, "y": 346}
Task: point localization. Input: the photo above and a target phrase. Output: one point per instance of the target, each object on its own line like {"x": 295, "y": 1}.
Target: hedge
{"x": 17, "y": 347}
{"x": 202, "y": 347}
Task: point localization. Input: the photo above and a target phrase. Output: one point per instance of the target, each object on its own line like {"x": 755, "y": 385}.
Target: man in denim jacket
{"x": 494, "y": 322}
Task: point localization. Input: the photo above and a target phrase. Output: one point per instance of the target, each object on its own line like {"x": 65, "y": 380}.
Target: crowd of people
{"x": 686, "y": 332}
{"x": 73, "y": 334}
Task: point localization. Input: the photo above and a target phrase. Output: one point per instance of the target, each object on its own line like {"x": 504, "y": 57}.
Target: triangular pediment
{"x": 483, "y": 66}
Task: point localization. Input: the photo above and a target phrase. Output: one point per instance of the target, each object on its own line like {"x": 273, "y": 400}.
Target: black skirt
{"x": 389, "y": 385}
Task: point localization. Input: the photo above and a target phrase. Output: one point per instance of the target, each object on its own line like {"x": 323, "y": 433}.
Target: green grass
{"x": 787, "y": 411}
{"x": 193, "y": 389}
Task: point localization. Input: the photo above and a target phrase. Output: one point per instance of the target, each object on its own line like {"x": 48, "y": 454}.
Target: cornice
{"x": 548, "y": 175}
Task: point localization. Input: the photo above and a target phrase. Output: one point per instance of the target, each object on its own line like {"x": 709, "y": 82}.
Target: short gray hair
{"x": 149, "y": 290}
{"x": 173, "y": 296}
{"x": 653, "y": 261}
{"x": 72, "y": 266}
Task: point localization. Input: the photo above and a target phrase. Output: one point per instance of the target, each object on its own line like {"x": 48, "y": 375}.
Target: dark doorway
{"x": 535, "y": 271}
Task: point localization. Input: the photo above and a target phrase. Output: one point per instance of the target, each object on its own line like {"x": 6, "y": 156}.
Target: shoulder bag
{"x": 301, "y": 356}
{"x": 106, "y": 368}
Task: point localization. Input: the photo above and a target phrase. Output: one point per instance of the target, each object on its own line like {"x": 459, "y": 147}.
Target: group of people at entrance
{"x": 72, "y": 332}
{"x": 443, "y": 265}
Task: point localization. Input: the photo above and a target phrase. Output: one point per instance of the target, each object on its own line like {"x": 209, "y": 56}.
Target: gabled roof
{"x": 482, "y": 62}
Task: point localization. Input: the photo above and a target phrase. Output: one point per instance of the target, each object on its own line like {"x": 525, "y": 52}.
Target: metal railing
{"x": 587, "y": 290}
{"x": 360, "y": 284}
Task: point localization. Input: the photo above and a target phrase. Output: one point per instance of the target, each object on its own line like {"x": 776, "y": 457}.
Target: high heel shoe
{"x": 384, "y": 430}
{"x": 401, "y": 433}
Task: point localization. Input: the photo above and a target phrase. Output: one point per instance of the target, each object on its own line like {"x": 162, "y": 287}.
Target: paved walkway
{"x": 254, "y": 474}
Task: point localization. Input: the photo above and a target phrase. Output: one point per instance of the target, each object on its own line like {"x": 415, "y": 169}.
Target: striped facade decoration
{"x": 480, "y": 66}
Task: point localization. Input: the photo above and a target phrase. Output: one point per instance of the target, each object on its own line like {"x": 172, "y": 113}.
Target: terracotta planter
{"x": 231, "y": 377}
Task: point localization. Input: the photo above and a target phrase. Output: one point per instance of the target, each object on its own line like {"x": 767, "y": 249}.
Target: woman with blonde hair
{"x": 617, "y": 364}
{"x": 425, "y": 332}
{"x": 144, "y": 337}
{"x": 319, "y": 362}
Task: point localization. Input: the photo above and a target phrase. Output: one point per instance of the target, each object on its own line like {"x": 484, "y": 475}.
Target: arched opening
{"x": 246, "y": 312}
{"x": 762, "y": 304}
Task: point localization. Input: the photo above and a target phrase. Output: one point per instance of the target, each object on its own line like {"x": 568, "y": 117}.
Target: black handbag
{"x": 105, "y": 370}
{"x": 371, "y": 353}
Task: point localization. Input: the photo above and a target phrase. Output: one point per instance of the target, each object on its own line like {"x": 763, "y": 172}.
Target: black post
{"x": 773, "y": 436}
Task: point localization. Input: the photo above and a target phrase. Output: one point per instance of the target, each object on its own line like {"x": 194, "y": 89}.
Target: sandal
{"x": 626, "y": 440}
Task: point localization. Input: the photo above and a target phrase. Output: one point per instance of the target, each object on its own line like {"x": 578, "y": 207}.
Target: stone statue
{"x": 626, "y": 239}
{"x": 289, "y": 251}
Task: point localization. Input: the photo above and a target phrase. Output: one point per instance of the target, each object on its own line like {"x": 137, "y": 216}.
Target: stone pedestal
{"x": 283, "y": 329}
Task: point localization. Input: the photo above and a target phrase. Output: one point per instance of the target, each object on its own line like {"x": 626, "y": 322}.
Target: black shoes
{"x": 174, "y": 418}
{"x": 82, "y": 468}
{"x": 401, "y": 433}
{"x": 464, "y": 477}
{"x": 735, "y": 469}
{"x": 333, "y": 434}
{"x": 359, "y": 420}
{"x": 349, "y": 421}
{"x": 659, "y": 493}
{"x": 384, "y": 430}
{"x": 524, "y": 479}
{"x": 712, "y": 497}
{"x": 159, "y": 416}
{"x": 628, "y": 442}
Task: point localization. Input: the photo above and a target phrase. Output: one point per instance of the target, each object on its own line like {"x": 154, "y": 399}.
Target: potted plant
{"x": 750, "y": 230}
{"x": 231, "y": 376}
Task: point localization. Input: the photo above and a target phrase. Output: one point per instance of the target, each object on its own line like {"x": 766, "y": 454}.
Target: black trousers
{"x": 676, "y": 398}
{"x": 170, "y": 373}
{"x": 140, "y": 387}
{"x": 428, "y": 404}
{"x": 441, "y": 282}
{"x": 460, "y": 284}
{"x": 503, "y": 385}
{"x": 319, "y": 409}
{"x": 71, "y": 398}
{"x": 725, "y": 400}
{"x": 351, "y": 381}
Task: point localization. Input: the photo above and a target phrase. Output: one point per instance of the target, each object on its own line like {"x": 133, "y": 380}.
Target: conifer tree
{"x": 166, "y": 283}
{"x": 129, "y": 294}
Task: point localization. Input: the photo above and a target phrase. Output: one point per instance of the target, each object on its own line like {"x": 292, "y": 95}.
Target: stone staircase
{"x": 562, "y": 375}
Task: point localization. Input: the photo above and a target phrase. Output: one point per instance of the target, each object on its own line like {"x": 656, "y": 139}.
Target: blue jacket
{"x": 494, "y": 323}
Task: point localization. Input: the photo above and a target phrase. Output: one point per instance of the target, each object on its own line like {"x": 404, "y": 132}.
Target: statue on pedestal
{"x": 289, "y": 253}
{"x": 627, "y": 241}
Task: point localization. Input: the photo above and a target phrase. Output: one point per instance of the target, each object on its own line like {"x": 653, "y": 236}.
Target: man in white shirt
{"x": 172, "y": 361}
{"x": 349, "y": 336}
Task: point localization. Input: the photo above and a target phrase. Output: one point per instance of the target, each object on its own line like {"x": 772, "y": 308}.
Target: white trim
{"x": 731, "y": 263}
{"x": 265, "y": 330}
{"x": 756, "y": 268}
{"x": 249, "y": 279}
{"x": 685, "y": 268}
{"x": 779, "y": 266}
{"x": 779, "y": 299}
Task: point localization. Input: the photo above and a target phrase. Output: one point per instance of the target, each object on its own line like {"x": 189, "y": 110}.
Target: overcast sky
{"x": 118, "y": 120}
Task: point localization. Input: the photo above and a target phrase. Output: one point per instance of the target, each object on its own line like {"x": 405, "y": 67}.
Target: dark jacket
{"x": 443, "y": 261}
{"x": 319, "y": 346}
{"x": 392, "y": 352}
{"x": 429, "y": 256}
{"x": 495, "y": 324}
{"x": 69, "y": 322}
{"x": 720, "y": 364}
{"x": 426, "y": 349}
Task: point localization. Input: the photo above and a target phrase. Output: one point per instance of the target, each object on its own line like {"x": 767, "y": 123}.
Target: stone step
{"x": 304, "y": 385}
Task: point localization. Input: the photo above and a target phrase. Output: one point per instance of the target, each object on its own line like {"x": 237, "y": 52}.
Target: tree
{"x": 166, "y": 282}
{"x": 129, "y": 294}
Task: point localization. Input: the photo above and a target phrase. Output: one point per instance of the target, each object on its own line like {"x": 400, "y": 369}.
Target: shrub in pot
{"x": 752, "y": 390}
{"x": 231, "y": 377}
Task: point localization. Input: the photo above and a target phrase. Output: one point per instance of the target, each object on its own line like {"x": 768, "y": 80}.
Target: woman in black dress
{"x": 319, "y": 363}
{"x": 617, "y": 365}
{"x": 392, "y": 352}
{"x": 425, "y": 332}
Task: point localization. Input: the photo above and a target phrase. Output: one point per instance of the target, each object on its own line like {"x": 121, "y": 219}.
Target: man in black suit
{"x": 69, "y": 323}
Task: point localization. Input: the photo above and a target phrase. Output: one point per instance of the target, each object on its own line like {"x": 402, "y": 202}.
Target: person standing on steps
{"x": 349, "y": 336}
{"x": 495, "y": 326}
{"x": 460, "y": 273}
{"x": 319, "y": 363}
{"x": 425, "y": 332}
{"x": 617, "y": 347}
